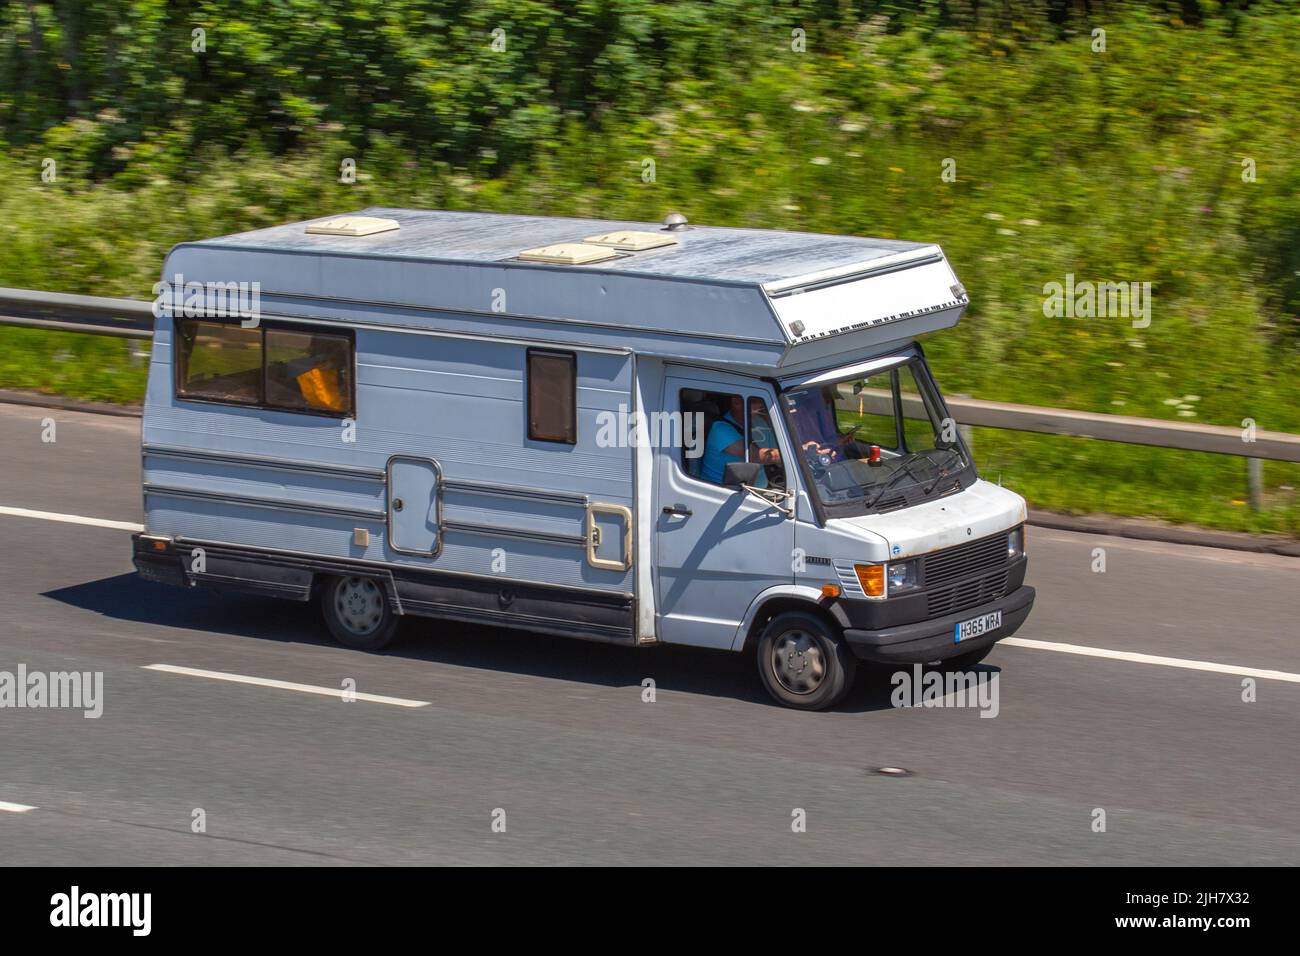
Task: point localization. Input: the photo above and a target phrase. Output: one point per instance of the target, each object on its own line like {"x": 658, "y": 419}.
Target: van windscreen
{"x": 878, "y": 442}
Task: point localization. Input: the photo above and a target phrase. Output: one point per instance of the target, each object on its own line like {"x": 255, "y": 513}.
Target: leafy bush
{"x": 1128, "y": 165}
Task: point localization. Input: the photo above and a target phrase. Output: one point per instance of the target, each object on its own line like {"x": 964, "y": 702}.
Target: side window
{"x": 718, "y": 428}
{"x": 218, "y": 363}
{"x": 291, "y": 370}
{"x": 308, "y": 371}
{"x": 552, "y": 396}
{"x": 700, "y": 411}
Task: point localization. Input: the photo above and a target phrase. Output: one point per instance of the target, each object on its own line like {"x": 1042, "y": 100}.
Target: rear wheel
{"x": 357, "y": 613}
{"x": 803, "y": 662}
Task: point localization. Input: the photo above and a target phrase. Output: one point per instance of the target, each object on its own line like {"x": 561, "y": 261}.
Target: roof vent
{"x": 626, "y": 240}
{"x": 674, "y": 222}
{"x": 569, "y": 254}
{"x": 353, "y": 226}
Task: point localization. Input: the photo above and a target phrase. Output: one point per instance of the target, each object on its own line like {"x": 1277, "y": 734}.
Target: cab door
{"x": 716, "y": 548}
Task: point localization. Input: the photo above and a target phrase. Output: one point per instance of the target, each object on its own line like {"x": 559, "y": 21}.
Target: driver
{"x": 726, "y": 443}
{"x": 812, "y": 411}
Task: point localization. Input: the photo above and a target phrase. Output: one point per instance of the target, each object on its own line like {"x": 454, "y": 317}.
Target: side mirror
{"x": 738, "y": 473}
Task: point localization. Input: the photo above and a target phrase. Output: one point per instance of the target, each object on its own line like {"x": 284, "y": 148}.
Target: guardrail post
{"x": 1255, "y": 483}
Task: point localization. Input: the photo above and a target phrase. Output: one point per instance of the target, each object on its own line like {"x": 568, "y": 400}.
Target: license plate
{"x": 976, "y": 626}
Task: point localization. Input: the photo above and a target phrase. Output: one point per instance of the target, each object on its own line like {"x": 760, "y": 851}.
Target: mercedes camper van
{"x": 629, "y": 432}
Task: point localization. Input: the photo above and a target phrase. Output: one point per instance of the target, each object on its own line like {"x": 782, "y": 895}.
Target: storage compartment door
{"x": 414, "y": 506}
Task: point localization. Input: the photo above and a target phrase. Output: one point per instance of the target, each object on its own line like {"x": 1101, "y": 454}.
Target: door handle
{"x": 679, "y": 510}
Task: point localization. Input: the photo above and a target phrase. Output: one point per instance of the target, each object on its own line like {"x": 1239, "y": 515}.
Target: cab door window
{"x": 729, "y": 427}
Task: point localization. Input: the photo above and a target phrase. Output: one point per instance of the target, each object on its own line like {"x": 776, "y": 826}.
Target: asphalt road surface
{"x": 553, "y": 735}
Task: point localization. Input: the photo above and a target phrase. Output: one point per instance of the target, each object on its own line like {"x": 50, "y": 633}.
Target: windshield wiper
{"x": 939, "y": 465}
{"x": 904, "y": 470}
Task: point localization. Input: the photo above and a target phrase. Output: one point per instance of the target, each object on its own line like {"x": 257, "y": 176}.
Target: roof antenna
{"x": 674, "y": 222}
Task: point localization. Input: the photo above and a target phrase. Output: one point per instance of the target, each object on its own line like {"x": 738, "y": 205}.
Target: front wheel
{"x": 357, "y": 613}
{"x": 803, "y": 662}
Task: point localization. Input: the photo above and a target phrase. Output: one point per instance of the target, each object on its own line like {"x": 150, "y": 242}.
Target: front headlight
{"x": 880, "y": 581}
{"x": 1015, "y": 542}
{"x": 902, "y": 576}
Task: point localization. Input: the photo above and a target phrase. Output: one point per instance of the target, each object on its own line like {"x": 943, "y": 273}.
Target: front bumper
{"x": 932, "y": 640}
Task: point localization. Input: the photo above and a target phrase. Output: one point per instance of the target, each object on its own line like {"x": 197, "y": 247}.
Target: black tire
{"x": 804, "y": 662}
{"x": 969, "y": 659}
{"x": 357, "y": 613}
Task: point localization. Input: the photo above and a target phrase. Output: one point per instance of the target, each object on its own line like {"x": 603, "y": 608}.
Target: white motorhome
{"x": 620, "y": 431}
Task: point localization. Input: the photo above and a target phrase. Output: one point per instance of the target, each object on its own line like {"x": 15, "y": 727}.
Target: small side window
{"x": 552, "y": 396}
{"x": 218, "y": 363}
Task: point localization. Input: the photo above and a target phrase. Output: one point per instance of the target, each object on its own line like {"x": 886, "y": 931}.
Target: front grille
{"x": 967, "y": 594}
{"x": 964, "y": 561}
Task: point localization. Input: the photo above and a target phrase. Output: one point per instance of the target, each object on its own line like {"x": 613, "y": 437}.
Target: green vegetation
{"x": 1128, "y": 165}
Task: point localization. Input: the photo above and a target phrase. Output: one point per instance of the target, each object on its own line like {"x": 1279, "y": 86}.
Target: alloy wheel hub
{"x": 798, "y": 662}
{"x": 360, "y": 605}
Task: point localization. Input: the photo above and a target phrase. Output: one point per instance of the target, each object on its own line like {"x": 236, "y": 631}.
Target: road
{"x": 554, "y": 737}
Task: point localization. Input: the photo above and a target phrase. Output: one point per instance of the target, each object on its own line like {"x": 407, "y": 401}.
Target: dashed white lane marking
{"x": 14, "y": 807}
{"x": 1136, "y": 658}
{"x": 70, "y": 519}
{"x": 335, "y": 692}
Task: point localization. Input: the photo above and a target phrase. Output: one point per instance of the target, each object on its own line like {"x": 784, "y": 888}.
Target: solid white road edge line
{"x": 70, "y": 519}
{"x": 285, "y": 685}
{"x": 14, "y": 807}
{"x": 1152, "y": 659}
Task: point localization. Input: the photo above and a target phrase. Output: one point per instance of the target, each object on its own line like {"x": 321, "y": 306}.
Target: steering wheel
{"x": 817, "y": 462}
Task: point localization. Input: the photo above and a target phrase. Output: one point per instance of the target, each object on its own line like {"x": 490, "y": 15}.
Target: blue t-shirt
{"x": 724, "y": 433}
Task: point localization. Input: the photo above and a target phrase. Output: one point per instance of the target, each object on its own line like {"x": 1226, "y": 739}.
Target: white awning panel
{"x": 904, "y": 287}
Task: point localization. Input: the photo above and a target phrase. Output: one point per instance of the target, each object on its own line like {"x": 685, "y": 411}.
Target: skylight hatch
{"x": 629, "y": 240}
{"x": 569, "y": 254}
{"x": 354, "y": 226}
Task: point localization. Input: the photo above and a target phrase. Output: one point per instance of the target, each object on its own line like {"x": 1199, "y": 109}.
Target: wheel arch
{"x": 786, "y": 597}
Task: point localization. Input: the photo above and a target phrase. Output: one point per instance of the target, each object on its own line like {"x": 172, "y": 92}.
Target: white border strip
{"x": 1152, "y": 659}
{"x": 334, "y": 692}
{"x": 70, "y": 519}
